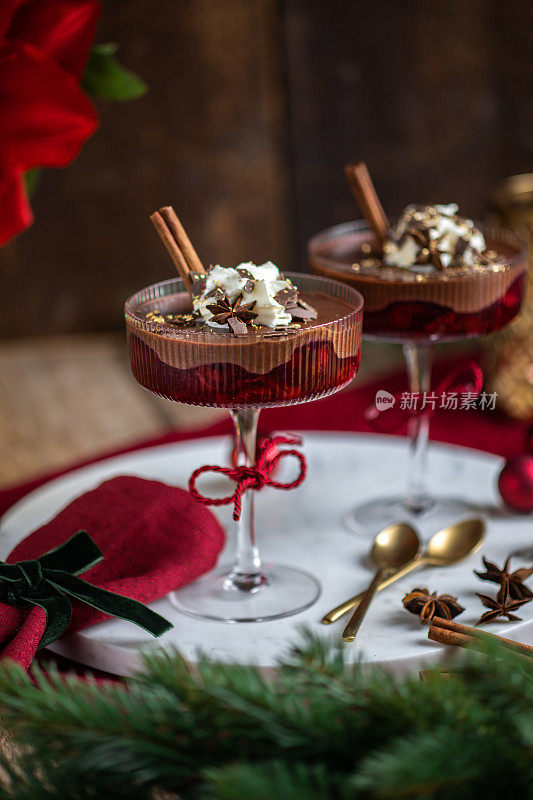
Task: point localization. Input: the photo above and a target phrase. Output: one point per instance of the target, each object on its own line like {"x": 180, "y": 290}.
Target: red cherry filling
{"x": 313, "y": 370}
{"x": 422, "y": 320}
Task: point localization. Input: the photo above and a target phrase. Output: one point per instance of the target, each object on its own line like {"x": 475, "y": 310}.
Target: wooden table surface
{"x": 65, "y": 399}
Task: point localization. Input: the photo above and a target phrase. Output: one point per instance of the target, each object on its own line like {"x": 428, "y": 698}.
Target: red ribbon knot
{"x": 256, "y": 477}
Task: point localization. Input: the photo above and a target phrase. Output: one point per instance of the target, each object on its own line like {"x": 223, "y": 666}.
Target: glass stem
{"x": 418, "y": 358}
{"x": 246, "y": 575}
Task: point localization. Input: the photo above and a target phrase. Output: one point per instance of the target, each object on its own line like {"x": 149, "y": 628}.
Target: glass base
{"x": 285, "y": 591}
{"x": 369, "y": 518}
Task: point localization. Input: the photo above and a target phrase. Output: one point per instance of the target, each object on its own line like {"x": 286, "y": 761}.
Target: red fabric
{"x": 154, "y": 537}
{"x": 44, "y": 116}
{"x": 466, "y": 376}
{"x": 489, "y": 430}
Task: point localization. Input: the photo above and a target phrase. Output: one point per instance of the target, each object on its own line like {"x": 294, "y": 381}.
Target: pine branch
{"x": 276, "y": 779}
{"x": 324, "y": 730}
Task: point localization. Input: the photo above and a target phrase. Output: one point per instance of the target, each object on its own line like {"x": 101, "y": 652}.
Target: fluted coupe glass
{"x": 245, "y": 374}
{"x": 418, "y": 311}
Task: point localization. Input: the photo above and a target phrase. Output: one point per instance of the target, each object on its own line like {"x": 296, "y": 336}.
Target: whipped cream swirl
{"x": 433, "y": 237}
{"x": 258, "y": 285}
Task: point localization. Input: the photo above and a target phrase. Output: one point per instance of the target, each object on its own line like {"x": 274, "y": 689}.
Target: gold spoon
{"x": 446, "y": 547}
{"x": 393, "y": 548}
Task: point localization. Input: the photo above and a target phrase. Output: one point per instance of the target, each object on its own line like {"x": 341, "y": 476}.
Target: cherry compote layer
{"x": 202, "y": 366}
{"x": 422, "y": 320}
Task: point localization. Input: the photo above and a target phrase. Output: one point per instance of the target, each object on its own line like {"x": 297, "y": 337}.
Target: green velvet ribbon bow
{"x": 49, "y": 580}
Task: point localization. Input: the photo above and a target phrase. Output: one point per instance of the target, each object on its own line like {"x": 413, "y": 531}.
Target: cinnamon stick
{"x": 366, "y": 196}
{"x": 174, "y": 251}
{"x": 182, "y": 240}
{"x": 451, "y": 637}
{"x": 449, "y": 632}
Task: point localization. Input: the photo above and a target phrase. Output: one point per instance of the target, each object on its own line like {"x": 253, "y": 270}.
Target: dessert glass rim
{"x": 170, "y": 331}
{"x": 503, "y": 264}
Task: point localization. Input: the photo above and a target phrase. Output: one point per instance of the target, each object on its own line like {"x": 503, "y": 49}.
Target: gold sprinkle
{"x": 355, "y": 267}
{"x": 366, "y": 248}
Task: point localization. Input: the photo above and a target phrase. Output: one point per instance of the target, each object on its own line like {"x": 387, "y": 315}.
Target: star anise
{"x": 500, "y": 606}
{"x": 427, "y": 606}
{"x": 514, "y": 581}
{"x": 223, "y": 310}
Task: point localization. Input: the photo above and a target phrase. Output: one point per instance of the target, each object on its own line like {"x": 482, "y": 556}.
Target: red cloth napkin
{"x": 154, "y": 537}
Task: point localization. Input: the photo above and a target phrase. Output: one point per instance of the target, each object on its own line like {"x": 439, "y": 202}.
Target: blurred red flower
{"x": 44, "y": 115}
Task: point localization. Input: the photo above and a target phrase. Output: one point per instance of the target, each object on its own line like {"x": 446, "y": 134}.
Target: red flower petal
{"x": 15, "y": 212}
{"x": 45, "y": 117}
{"x": 8, "y": 8}
{"x": 63, "y": 29}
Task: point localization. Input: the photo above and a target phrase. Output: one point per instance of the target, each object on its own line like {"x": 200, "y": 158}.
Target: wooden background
{"x": 254, "y": 107}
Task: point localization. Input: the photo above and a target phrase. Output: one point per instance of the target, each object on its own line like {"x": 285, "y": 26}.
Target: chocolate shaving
{"x": 237, "y": 326}
{"x": 244, "y": 273}
{"x": 249, "y": 286}
{"x": 216, "y": 293}
{"x": 419, "y": 234}
{"x": 198, "y": 283}
{"x": 301, "y": 310}
{"x": 286, "y": 296}
{"x": 277, "y": 332}
{"x": 302, "y": 313}
{"x": 461, "y": 247}
{"x": 434, "y": 255}
{"x": 303, "y": 304}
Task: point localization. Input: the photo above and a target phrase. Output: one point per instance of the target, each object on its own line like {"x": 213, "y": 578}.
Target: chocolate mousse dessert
{"x": 243, "y": 336}
{"x": 433, "y": 276}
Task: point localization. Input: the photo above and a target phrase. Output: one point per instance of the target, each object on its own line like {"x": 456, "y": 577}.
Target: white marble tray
{"x": 301, "y": 527}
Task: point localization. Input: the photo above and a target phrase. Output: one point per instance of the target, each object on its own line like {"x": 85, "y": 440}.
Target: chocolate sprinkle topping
{"x": 302, "y": 313}
{"x": 237, "y": 327}
{"x": 198, "y": 283}
{"x": 216, "y": 293}
{"x": 461, "y": 247}
{"x": 299, "y": 309}
{"x": 286, "y": 297}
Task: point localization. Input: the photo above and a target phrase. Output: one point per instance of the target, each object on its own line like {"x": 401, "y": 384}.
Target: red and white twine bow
{"x": 256, "y": 477}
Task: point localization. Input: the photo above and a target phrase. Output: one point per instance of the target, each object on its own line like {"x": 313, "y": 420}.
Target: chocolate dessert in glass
{"x": 243, "y": 338}
{"x": 433, "y": 276}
